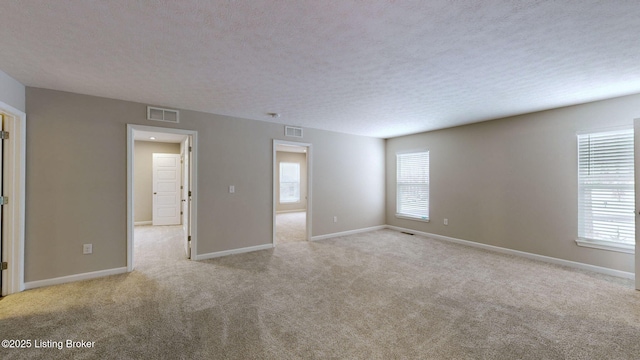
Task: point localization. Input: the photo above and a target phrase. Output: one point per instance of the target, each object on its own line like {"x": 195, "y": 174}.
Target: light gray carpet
{"x": 378, "y": 295}
{"x": 291, "y": 227}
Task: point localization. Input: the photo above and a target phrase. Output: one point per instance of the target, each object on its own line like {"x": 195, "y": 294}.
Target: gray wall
{"x": 143, "y": 176}
{"x": 12, "y": 92}
{"x": 76, "y": 181}
{"x": 292, "y": 157}
{"x": 513, "y": 182}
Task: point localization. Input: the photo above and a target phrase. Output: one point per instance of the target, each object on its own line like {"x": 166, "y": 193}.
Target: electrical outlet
{"x": 87, "y": 249}
{"x": 335, "y": 219}
{"x": 446, "y": 221}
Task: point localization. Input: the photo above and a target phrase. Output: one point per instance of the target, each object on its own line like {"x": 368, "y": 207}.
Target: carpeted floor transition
{"x": 377, "y": 295}
{"x": 291, "y": 227}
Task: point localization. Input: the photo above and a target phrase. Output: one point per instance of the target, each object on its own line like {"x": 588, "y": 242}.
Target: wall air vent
{"x": 160, "y": 114}
{"x": 293, "y": 131}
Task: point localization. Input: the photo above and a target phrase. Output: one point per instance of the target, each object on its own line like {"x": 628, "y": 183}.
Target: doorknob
{"x": 154, "y": 193}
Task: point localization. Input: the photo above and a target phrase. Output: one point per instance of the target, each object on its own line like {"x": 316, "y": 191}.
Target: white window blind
{"x": 606, "y": 207}
{"x": 289, "y": 182}
{"x": 413, "y": 185}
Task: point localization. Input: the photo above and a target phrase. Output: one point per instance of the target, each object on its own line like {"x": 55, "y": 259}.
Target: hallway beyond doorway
{"x": 157, "y": 244}
{"x": 291, "y": 227}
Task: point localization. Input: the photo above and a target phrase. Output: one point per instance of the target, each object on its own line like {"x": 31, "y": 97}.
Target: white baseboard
{"x": 547, "y": 259}
{"x": 71, "y": 278}
{"x": 233, "y": 251}
{"x": 349, "y": 232}
{"x": 139, "y": 223}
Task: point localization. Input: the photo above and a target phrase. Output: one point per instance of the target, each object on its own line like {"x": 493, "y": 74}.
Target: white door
{"x": 166, "y": 189}
{"x": 186, "y": 198}
{"x": 636, "y": 165}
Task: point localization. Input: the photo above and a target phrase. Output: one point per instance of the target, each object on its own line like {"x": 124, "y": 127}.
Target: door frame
{"x": 274, "y": 190}
{"x": 131, "y": 129}
{"x": 185, "y": 198}
{"x": 14, "y": 187}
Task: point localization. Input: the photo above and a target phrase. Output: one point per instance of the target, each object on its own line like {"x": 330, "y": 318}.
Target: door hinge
{"x": 5, "y": 266}
{"x": 190, "y": 148}
{"x": 180, "y": 212}
{"x": 4, "y": 135}
{"x": 4, "y": 200}
{"x": 189, "y": 192}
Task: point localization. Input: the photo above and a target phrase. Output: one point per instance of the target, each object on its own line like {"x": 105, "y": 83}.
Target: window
{"x": 413, "y": 185}
{"x": 289, "y": 182}
{"x": 606, "y": 196}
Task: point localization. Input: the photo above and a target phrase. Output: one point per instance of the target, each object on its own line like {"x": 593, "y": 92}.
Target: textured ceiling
{"x": 369, "y": 67}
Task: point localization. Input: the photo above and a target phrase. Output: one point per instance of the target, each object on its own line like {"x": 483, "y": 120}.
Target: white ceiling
{"x": 379, "y": 68}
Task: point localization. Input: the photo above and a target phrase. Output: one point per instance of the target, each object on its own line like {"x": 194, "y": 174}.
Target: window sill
{"x": 606, "y": 245}
{"x": 415, "y": 218}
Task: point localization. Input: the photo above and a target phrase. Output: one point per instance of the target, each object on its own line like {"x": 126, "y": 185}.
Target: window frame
{"x": 280, "y": 182}
{"x": 401, "y": 213}
{"x": 598, "y": 243}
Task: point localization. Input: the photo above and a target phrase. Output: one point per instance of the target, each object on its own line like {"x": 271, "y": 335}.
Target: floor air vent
{"x": 293, "y": 131}
{"x": 160, "y": 114}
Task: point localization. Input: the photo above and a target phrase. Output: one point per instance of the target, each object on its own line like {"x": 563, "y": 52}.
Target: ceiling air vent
{"x": 160, "y": 114}
{"x": 293, "y": 131}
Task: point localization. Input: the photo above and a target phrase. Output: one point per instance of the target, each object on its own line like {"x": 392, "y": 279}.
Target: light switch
{"x": 232, "y": 189}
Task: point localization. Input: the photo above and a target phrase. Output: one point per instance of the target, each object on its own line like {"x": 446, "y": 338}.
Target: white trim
{"x": 142, "y": 223}
{"x": 411, "y": 151}
{"x": 547, "y": 259}
{"x": 14, "y": 228}
{"x": 218, "y": 254}
{"x": 604, "y": 129}
{"x": 348, "y": 232}
{"x": 274, "y": 192}
{"x": 414, "y": 218}
{"x": 131, "y": 129}
{"x": 607, "y": 245}
{"x": 73, "y": 278}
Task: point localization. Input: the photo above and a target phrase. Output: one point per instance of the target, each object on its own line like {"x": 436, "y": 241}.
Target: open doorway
{"x": 292, "y": 189}
{"x": 161, "y": 177}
